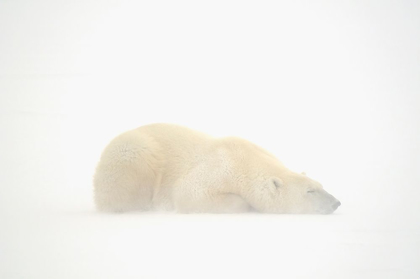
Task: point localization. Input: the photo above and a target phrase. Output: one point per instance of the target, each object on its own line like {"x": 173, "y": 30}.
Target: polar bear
{"x": 172, "y": 168}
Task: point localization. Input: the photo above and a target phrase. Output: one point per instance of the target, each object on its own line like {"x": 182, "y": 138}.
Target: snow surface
{"x": 85, "y": 244}
{"x": 332, "y": 89}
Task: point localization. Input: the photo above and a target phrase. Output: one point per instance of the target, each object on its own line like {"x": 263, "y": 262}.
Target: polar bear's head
{"x": 297, "y": 193}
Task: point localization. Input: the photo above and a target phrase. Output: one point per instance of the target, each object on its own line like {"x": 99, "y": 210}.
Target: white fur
{"x": 169, "y": 167}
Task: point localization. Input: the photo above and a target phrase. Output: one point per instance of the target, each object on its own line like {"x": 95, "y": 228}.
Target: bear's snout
{"x": 330, "y": 207}
{"x": 336, "y": 205}
{"x": 328, "y": 203}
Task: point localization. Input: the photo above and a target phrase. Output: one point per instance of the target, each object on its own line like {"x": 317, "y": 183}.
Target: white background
{"x": 331, "y": 88}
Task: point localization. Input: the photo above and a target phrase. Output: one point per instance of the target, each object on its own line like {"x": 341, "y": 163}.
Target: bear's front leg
{"x": 204, "y": 191}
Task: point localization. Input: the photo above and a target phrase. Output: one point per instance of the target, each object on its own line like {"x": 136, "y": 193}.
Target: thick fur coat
{"x": 173, "y": 168}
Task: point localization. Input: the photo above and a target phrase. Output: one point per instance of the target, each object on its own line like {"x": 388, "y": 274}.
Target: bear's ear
{"x": 277, "y": 182}
{"x": 303, "y": 173}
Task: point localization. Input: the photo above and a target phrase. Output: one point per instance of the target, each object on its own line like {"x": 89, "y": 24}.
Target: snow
{"x": 85, "y": 244}
{"x": 329, "y": 88}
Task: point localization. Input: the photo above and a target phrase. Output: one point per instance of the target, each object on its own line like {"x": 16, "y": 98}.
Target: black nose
{"x": 336, "y": 205}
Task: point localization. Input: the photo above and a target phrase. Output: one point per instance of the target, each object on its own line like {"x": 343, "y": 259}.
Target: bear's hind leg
{"x": 126, "y": 174}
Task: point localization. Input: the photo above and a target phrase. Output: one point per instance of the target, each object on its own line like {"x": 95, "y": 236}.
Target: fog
{"x": 331, "y": 89}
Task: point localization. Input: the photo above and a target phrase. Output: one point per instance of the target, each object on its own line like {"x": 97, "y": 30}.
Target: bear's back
{"x": 176, "y": 140}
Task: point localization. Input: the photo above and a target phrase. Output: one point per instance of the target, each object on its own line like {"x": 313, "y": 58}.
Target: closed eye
{"x": 311, "y": 191}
